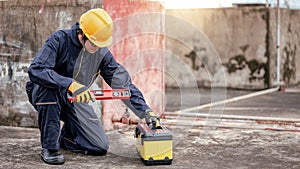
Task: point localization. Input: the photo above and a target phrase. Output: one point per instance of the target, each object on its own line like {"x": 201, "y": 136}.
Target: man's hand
{"x": 152, "y": 120}
{"x": 81, "y": 92}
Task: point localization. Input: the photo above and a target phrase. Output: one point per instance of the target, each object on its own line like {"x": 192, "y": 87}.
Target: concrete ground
{"x": 194, "y": 147}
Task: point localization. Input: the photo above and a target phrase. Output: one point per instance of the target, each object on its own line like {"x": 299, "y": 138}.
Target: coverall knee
{"x": 82, "y": 130}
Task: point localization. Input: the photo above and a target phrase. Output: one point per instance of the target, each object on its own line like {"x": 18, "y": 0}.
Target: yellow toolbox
{"x": 154, "y": 146}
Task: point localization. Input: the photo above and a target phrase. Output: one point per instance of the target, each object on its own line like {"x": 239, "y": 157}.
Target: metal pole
{"x": 278, "y": 44}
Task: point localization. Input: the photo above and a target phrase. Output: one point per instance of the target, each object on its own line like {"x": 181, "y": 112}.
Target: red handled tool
{"x": 108, "y": 94}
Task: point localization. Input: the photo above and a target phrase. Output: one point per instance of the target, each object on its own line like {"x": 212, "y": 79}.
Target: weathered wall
{"x": 138, "y": 44}
{"x": 289, "y": 47}
{"x": 221, "y": 47}
{"x": 235, "y": 44}
{"x": 24, "y": 26}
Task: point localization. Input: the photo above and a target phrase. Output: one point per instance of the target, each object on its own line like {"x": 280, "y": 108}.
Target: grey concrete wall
{"x": 231, "y": 47}
{"x": 24, "y": 26}
{"x": 289, "y": 47}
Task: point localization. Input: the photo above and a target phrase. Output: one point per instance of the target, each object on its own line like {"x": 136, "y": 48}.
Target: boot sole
{"x": 53, "y": 162}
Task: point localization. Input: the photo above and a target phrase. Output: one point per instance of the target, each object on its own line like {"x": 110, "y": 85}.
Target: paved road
{"x": 275, "y": 104}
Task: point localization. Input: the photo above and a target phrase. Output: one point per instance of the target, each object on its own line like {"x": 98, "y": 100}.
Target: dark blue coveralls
{"x": 61, "y": 60}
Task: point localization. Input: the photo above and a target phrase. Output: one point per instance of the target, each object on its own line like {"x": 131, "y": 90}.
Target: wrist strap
{"x": 80, "y": 90}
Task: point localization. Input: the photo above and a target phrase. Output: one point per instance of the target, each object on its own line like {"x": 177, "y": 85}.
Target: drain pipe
{"x": 278, "y": 43}
{"x": 238, "y": 98}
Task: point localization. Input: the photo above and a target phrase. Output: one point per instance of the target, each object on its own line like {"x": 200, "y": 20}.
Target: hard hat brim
{"x": 106, "y": 43}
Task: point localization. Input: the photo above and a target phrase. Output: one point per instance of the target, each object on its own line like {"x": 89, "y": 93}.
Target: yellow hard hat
{"x": 97, "y": 26}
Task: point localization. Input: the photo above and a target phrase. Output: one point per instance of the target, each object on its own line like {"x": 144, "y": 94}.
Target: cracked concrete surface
{"x": 209, "y": 148}
{"x": 193, "y": 148}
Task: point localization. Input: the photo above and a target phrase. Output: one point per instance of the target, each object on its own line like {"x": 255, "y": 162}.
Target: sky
{"x": 173, "y": 4}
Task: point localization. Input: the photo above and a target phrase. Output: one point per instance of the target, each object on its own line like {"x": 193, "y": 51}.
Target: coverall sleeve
{"x": 41, "y": 69}
{"x": 116, "y": 76}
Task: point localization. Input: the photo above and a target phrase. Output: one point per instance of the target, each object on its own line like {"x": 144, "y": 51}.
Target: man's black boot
{"x": 52, "y": 157}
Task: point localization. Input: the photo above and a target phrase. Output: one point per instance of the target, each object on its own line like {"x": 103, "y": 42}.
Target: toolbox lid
{"x": 161, "y": 133}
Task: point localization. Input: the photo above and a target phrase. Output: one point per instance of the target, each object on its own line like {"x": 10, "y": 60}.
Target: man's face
{"x": 90, "y": 47}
